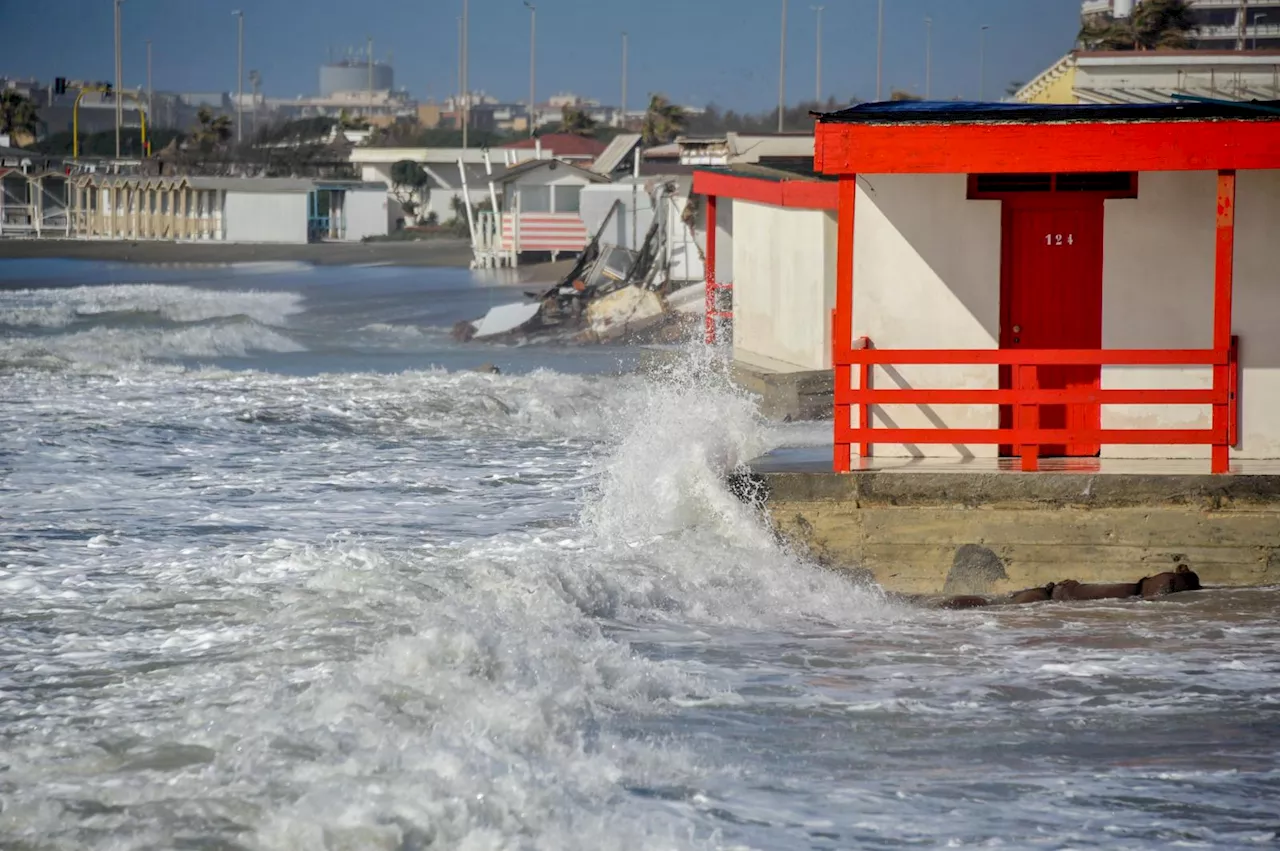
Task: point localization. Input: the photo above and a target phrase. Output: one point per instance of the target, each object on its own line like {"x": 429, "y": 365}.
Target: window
{"x": 568, "y": 199}
{"x": 535, "y": 199}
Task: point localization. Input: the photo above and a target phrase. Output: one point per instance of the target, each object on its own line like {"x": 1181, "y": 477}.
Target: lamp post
{"x": 928, "y": 58}
{"x": 239, "y": 16}
{"x": 782, "y": 68}
{"x": 817, "y": 79}
{"x": 1257, "y": 17}
{"x": 466, "y": 92}
{"x": 880, "y": 51}
{"x": 622, "y": 120}
{"x": 533, "y": 65}
{"x": 119, "y": 74}
{"x": 150, "y": 113}
{"x": 982, "y": 64}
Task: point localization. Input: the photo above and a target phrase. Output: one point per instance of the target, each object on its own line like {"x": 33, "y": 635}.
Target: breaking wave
{"x": 60, "y": 308}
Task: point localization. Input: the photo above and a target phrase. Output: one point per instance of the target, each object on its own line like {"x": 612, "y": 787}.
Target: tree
{"x": 18, "y": 115}
{"x": 1014, "y": 87}
{"x": 577, "y": 122}
{"x": 409, "y": 185}
{"x": 1154, "y": 25}
{"x": 901, "y": 94}
{"x": 663, "y": 121}
{"x": 211, "y": 131}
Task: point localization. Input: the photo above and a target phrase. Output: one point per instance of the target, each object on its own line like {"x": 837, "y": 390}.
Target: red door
{"x": 1052, "y": 299}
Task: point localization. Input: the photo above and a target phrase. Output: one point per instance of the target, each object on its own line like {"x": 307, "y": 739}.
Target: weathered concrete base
{"x": 995, "y": 532}
{"x": 808, "y": 395}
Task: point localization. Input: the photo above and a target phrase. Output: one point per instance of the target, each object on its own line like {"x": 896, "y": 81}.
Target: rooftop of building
{"x": 563, "y": 145}
{"x": 963, "y": 112}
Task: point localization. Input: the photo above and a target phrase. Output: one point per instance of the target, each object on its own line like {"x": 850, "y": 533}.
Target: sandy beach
{"x": 434, "y": 252}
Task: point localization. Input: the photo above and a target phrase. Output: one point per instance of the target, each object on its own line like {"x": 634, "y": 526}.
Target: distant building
{"x": 562, "y": 146}
{"x": 1222, "y": 24}
{"x": 355, "y": 74}
{"x": 1128, "y": 76}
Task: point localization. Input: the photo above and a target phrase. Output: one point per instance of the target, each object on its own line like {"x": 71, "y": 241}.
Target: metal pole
{"x": 982, "y": 64}
{"x": 622, "y": 120}
{"x": 369, "y": 62}
{"x": 817, "y": 85}
{"x": 782, "y": 68}
{"x": 928, "y": 58}
{"x": 149, "y": 92}
{"x": 119, "y": 74}
{"x": 466, "y": 88}
{"x": 533, "y": 65}
{"x": 880, "y": 51}
{"x": 239, "y": 75}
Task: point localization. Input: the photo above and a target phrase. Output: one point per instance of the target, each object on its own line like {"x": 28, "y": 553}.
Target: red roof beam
{"x": 796, "y": 194}
{"x": 1011, "y": 148}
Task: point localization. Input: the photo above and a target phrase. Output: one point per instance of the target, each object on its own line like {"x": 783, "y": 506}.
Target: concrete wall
{"x": 784, "y": 286}
{"x": 1158, "y": 293}
{"x": 265, "y": 217}
{"x": 926, "y": 275}
{"x": 366, "y": 214}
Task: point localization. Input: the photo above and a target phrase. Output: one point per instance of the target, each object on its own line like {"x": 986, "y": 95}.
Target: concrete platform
{"x": 930, "y": 526}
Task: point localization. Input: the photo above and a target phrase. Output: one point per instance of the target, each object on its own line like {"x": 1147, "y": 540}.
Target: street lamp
{"x": 119, "y": 73}
{"x": 880, "y": 51}
{"x": 466, "y": 92}
{"x": 1257, "y": 17}
{"x": 817, "y": 85}
{"x": 782, "y": 68}
{"x": 928, "y": 58}
{"x": 982, "y": 64}
{"x": 533, "y": 64}
{"x": 239, "y": 16}
{"x": 622, "y": 120}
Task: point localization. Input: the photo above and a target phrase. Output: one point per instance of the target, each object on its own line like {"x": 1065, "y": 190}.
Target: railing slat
{"x": 982, "y": 396}
{"x": 1036, "y": 357}
{"x": 1014, "y": 436}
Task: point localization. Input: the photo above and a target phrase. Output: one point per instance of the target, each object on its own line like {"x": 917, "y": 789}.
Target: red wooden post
{"x": 710, "y": 271}
{"x": 1233, "y": 394}
{"x": 1222, "y": 285}
{"x": 1028, "y": 382}
{"x": 842, "y": 318}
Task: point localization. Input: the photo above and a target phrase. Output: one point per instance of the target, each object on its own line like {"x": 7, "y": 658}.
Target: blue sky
{"x": 695, "y": 51}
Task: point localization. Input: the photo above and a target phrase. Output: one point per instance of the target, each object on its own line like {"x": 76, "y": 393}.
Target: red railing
{"x": 714, "y": 313}
{"x": 1025, "y": 396}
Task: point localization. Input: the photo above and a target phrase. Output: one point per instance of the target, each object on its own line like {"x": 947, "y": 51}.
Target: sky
{"x": 695, "y": 51}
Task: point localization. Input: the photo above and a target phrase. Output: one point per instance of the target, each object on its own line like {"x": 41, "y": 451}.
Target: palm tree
{"x": 18, "y": 115}
{"x": 663, "y": 121}
{"x": 212, "y": 132}
{"x": 1154, "y": 25}
{"x": 577, "y": 122}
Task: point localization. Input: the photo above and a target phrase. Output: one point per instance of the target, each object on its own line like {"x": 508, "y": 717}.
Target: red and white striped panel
{"x": 546, "y": 232}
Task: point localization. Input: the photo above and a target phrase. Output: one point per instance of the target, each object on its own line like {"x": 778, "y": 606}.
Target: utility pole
{"x": 982, "y": 64}
{"x": 466, "y": 87}
{"x": 1242, "y": 24}
{"x": 622, "y": 120}
{"x": 533, "y": 66}
{"x": 119, "y": 73}
{"x": 928, "y": 58}
{"x": 782, "y": 69}
{"x": 150, "y": 114}
{"x": 880, "y": 52}
{"x": 817, "y": 85}
{"x": 239, "y": 14}
{"x": 369, "y": 60}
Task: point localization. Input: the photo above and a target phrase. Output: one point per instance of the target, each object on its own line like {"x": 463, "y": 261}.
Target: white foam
{"x": 58, "y": 308}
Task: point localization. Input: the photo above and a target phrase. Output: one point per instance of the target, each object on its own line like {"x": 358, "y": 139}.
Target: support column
{"x": 710, "y": 271}
{"x": 1224, "y": 267}
{"x": 842, "y": 320}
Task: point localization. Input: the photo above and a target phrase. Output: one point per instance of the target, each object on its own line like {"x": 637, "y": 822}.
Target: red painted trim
{"x": 1224, "y": 259}
{"x": 710, "y": 271}
{"x": 842, "y": 321}
{"x": 1050, "y": 195}
{"x": 905, "y": 396}
{"x": 846, "y": 149}
{"x": 1039, "y": 357}
{"x": 1036, "y": 436}
{"x": 1233, "y": 395}
{"x": 797, "y": 194}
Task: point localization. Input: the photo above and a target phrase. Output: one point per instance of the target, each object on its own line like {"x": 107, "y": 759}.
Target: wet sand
{"x": 434, "y": 252}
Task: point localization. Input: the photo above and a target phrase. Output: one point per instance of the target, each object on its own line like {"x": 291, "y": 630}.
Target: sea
{"x": 280, "y": 569}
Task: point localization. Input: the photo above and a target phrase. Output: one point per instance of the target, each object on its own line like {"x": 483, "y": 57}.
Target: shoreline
{"x": 435, "y": 252}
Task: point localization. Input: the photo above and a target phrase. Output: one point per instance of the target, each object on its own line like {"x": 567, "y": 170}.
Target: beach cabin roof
{"x": 914, "y": 137}
{"x": 512, "y": 174}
